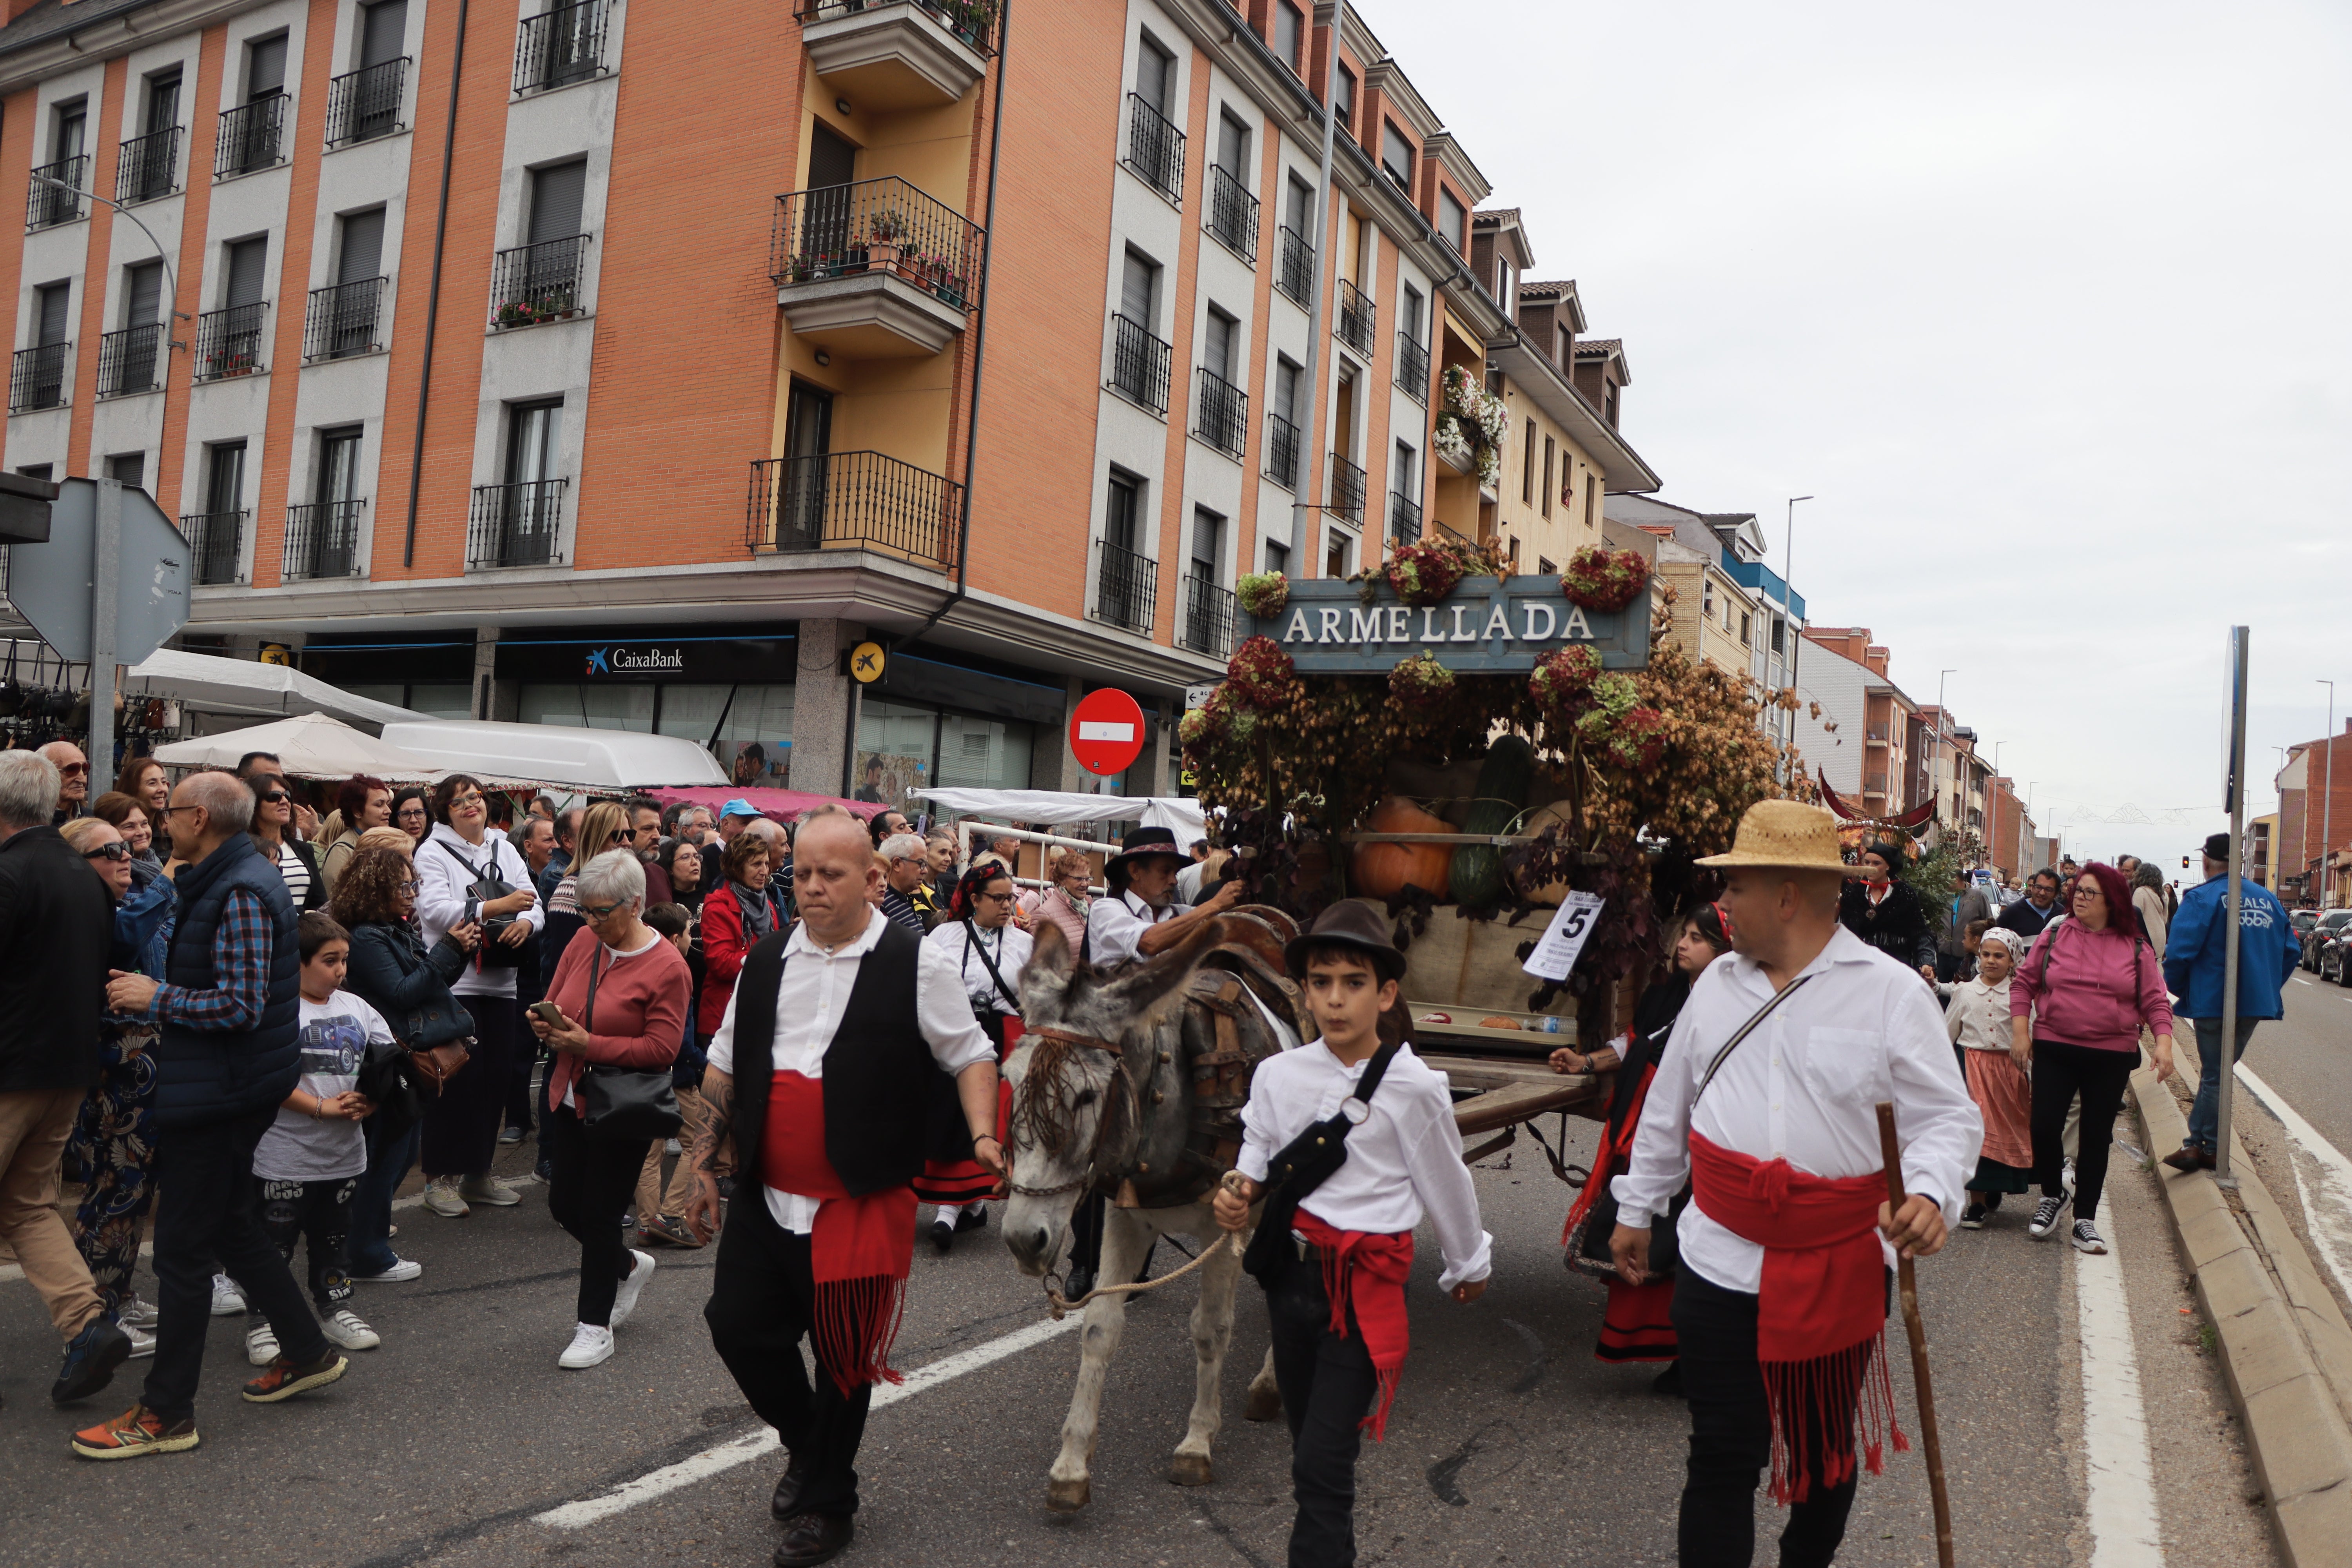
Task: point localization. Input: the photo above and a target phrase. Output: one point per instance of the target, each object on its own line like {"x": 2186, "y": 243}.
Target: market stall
{"x": 208, "y": 683}
{"x": 558, "y": 756}
{"x": 310, "y": 746}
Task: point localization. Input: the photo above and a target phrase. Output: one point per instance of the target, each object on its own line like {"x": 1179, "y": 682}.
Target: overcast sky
{"x": 2049, "y": 306}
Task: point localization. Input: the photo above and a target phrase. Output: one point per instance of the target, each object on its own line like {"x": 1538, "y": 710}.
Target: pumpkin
{"x": 1384, "y": 870}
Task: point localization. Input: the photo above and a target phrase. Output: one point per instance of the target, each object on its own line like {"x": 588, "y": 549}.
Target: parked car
{"x": 2321, "y": 932}
{"x": 2302, "y": 921}
{"x": 2335, "y": 955}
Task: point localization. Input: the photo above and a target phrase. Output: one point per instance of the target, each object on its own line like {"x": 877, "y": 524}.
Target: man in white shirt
{"x": 1780, "y": 1296}
{"x": 1139, "y": 916}
{"x": 809, "y": 1080}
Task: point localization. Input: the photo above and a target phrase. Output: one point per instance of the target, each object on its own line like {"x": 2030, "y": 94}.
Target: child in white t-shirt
{"x": 309, "y": 1163}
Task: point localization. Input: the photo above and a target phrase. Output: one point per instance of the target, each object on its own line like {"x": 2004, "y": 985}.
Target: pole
{"x": 1302, "y": 490}
{"x": 1789, "y": 607}
{"x": 2227, "y": 1046}
{"x": 1907, "y": 1283}
{"x": 106, "y": 565}
{"x": 2326, "y": 808}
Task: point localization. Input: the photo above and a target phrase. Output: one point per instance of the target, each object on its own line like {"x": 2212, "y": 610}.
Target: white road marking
{"x": 742, "y": 1450}
{"x": 2328, "y": 1221}
{"x": 2123, "y": 1513}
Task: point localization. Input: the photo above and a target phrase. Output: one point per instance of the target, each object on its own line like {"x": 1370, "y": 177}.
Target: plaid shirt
{"x": 241, "y": 948}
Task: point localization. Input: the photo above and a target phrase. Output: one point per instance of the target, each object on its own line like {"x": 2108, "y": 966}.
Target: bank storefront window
{"x": 434, "y": 698}
{"x": 730, "y": 692}
{"x": 754, "y": 726}
{"x": 904, "y": 746}
{"x": 610, "y": 707}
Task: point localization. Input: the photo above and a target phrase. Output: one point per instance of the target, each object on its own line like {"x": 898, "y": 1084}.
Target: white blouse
{"x": 1008, "y": 947}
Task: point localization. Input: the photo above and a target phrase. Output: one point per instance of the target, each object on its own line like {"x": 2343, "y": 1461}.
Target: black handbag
{"x": 627, "y": 1105}
{"x": 383, "y": 1079}
{"x": 487, "y": 886}
{"x": 1305, "y": 1164}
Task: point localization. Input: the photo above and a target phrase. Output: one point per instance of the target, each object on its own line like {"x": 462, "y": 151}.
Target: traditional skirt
{"x": 2004, "y": 1098}
{"x": 1638, "y": 1324}
{"x": 968, "y": 1180}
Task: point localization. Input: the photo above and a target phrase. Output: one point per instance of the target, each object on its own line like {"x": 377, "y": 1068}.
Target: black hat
{"x": 1142, "y": 844}
{"x": 2217, "y": 847}
{"x": 1355, "y": 924}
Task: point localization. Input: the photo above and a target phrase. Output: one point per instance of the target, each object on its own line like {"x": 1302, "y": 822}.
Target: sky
{"x": 2046, "y": 306}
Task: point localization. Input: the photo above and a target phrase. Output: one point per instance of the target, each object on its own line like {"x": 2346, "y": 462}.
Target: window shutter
{"x": 248, "y": 260}
{"x": 1218, "y": 346}
{"x": 265, "y": 68}
{"x": 555, "y": 197}
{"x": 382, "y": 30}
{"x": 1135, "y": 289}
{"x": 362, "y": 254}
{"x": 142, "y": 293}
{"x": 55, "y": 300}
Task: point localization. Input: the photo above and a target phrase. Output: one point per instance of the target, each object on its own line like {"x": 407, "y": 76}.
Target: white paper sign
{"x": 1555, "y": 954}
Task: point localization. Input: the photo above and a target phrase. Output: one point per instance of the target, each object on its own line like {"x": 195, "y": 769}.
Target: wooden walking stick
{"x": 1907, "y": 1282}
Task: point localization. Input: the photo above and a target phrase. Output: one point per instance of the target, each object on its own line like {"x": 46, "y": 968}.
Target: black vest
{"x": 205, "y": 1075}
{"x": 875, "y": 1129}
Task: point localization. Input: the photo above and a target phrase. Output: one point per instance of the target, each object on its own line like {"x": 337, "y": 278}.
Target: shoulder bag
{"x": 1305, "y": 1164}
{"x": 627, "y": 1105}
{"x": 485, "y": 886}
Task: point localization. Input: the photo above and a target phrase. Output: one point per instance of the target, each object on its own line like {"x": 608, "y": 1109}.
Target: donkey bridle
{"x": 1086, "y": 1176}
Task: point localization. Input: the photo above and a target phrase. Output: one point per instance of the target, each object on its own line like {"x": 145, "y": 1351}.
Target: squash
{"x": 1503, "y": 782}
{"x": 1384, "y": 870}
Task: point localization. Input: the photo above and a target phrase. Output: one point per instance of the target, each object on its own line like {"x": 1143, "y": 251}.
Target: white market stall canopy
{"x": 608, "y": 760}
{"x": 312, "y": 746}
{"x": 212, "y": 684}
{"x": 1046, "y": 808}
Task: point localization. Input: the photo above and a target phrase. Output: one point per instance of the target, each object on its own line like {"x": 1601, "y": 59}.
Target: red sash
{"x": 1371, "y": 1267}
{"x": 1821, "y": 1314}
{"x": 860, "y": 1248}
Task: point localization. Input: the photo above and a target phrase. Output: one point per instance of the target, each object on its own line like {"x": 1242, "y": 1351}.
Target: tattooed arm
{"x": 717, "y": 1135}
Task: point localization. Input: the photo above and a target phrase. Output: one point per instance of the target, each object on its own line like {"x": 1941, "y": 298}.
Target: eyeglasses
{"x": 276, "y": 796}
{"x": 993, "y": 897}
{"x": 74, "y": 770}
{"x": 471, "y": 797}
{"x": 118, "y": 850}
{"x": 406, "y": 812}
{"x": 620, "y": 836}
{"x": 170, "y": 809}
{"x": 600, "y": 912}
{"x": 410, "y": 885}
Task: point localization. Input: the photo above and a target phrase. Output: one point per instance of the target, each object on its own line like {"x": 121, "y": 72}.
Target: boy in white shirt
{"x": 1335, "y": 1265}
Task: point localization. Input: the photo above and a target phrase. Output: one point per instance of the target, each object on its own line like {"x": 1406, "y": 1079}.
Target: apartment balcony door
{"x": 534, "y": 488}
{"x": 832, "y": 169}
{"x": 334, "y": 539}
{"x": 808, "y": 439}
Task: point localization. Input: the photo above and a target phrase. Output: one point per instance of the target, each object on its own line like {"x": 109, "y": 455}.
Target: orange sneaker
{"x": 284, "y": 1379}
{"x": 136, "y": 1431}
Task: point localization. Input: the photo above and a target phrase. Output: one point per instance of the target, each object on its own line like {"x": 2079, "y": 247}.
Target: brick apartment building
{"x": 2313, "y": 805}
{"x": 554, "y": 362}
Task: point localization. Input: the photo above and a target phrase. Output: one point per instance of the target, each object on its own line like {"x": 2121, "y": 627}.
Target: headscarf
{"x": 2014, "y": 942}
{"x": 966, "y": 897}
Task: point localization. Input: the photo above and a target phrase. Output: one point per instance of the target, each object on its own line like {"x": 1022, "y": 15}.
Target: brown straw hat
{"x": 1787, "y": 835}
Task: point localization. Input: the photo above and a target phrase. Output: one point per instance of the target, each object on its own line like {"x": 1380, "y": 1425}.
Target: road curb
{"x": 2285, "y": 1347}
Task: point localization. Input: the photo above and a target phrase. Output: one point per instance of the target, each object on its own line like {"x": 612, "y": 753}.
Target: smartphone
{"x": 548, "y": 1013}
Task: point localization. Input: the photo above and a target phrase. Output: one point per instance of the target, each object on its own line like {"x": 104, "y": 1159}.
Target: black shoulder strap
{"x": 473, "y": 870}
{"x": 1747, "y": 1029}
{"x": 971, "y": 943}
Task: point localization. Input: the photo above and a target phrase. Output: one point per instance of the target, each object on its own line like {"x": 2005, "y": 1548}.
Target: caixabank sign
{"x": 629, "y": 659}
{"x": 1487, "y": 625}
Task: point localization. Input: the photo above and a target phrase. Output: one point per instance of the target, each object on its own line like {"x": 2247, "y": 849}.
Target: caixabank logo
{"x": 634, "y": 660}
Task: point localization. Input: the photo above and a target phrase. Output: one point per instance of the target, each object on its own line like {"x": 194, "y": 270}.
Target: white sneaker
{"x": 346, "y": 1332}
{"x": 590, "y": 1345}
{"x": 626, "y": 1301}
{"x": 402, "y": 1268}
{"x": 2067, "y": 1177}
{"x": 135, "y": 1313}
{"x": 489, "y": 1190}
{"x": 2045, "y": 1218}
{"x": 2086, "y": 1238}
{"x": 261, "y": 1343}
{"x": 228, "y": 1301}
{"x": 142, "y": 1341}
{"x": 441, "y": 1197}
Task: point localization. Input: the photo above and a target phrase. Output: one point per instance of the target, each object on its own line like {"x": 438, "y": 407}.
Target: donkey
{"x": 1133, "y": 1080}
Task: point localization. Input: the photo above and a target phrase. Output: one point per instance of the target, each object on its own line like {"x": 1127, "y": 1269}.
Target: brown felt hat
{"x": 1353, "y": 923}
{"x": 1785, "y": 835}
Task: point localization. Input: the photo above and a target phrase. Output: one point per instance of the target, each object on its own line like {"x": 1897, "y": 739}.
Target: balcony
{"x": 535, "y": 283}
{"x": 1208, "y": 616}
{"x": 47, "y": 204}
{"x": 876, "y": 270}
{"x": 898, "y": 54}
{"x": 149, "y": 167}
{"x": 1358, "y": 318}
{"x": 215, "y": 541}
{"x": 1126, "y": 587}
{"x": 1155, "y": 149}
{"x": 1347, "y": 488}
{"x": 1219, "y": 413}
{"x": 251, "y": 137}
{"x": 1297, "y": 276}
{"x": 1404, "y": 517}
{"x": 322, "y": 540}
{"x": 1281, "y": 450}
{"x": 343, "y": 321}
{"x": 38, "y": 380}
{"x": 1139, "y": 366}
{"x": 1413, "y": 369}
{"x": 516, "y": 525}
{"x": 562, "y": 46}
{"x": 1233, "y": 214}
{"x": 362, "y": 105}
{"x": 854, "y": 500}
{"x": 228, "y": 342}
{"x": 131, "y": 360}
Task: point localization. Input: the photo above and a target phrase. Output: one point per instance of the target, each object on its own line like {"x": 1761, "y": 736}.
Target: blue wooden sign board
{"x": 1487, "y": 625}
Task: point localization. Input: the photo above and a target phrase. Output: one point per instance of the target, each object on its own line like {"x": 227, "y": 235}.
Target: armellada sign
{"x": 1487, "y": 625}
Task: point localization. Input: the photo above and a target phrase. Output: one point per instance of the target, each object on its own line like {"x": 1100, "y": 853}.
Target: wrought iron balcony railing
{"x": 47, "y": 205}
{"x": 251, "y": 137}
{"x": 364, "y": 104}
{"x": 1358, "y": 318}
{"x": 1233, "y": 214}
{"x": 1155, "y": 149}
{"x": 877, "y": 227}
{"x": 1208, "y": 616}
{"x": 149, "y": 167}
{"x": 1219, "y": 413}
{"x": 1126, "y": 587}
{"x": 322, "y": 540}
{"x": 1412, "y": 368}
{"x": 516, "y": 525}
{"x": 971, "y": 21}
{"x": 38, "y": 379}
{"x": 1281, "y": 450}
{"x": 1297, "y": 276}
{"x": 228, "y": 341}
{"x": 535, "y": 283}
{"x": 131, "y": 360}
{"x": 344, "y": 320}
{"x": 215, "y": 544}
{"x": 1138, "y": 366}
{"x": 1404, "y": 517}
{"x": 1347, "y": 488}
{"x": 848, "y": 500}
{"x": 562, "y": 46}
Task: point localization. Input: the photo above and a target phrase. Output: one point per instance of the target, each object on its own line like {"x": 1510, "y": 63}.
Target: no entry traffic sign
{"x": 1106, "y": 732}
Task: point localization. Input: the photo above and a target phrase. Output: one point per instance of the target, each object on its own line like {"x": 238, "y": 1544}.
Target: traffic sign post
{"x": 1106, "y": 732}
{"x": 2235, "y": 775}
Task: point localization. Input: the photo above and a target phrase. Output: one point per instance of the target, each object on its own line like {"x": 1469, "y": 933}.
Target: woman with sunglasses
{"x": 128, "y": 817}
{"x": 990, "y": 951}
{"x": 113, "y": 1138}
{"x": 393, "y": 972}
{"x": 273, "y": 816}
{"x": 1636, "y": 1327}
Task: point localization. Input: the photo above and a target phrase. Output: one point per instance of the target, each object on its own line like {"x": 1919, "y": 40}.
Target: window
{"x": 1299, "y": 209}
{"x": 1591, "y": 493}
{"x": 1528, "y": 467}
{"x": 1208, "y": 543}
{"x": 67, "y": 130}
{"x": 384, "y": 29}
{"x": 338, "y": 465}
{"x": 1412, "y": 322}
{"x": 1453, "y": 221}
{"x": 1138, "y": 284}
{"x": 1563, "y": 347}
{"x": 1779, "y": 628}
{"x": 1706, "y": 598}
{"x": 532, "y": 432}
{"x": 1289, "y": 32}
{"x": 1336, "y": 550}
{"x": 1746, "y": 629}
{"x": 1285, "y": 388}
{"x": 1155, "y": 73}
{"x": 38, "y": 470}
{"x": 1548, "y": 454}
{"x": 1506, "y": 289}
{"x": 162, "y": 107}
{"x": 1396, "y": 155}
{"x": 556, "y": 194}
{"x": 1119, "y": 512}
{"x": 265, "y": 68}
{"x": 1347, "y": 97}
{"x": 224, "y": 477}
{"x": 245, "y": 262}
{"x": 142, "y": 293}
{"x": 1544, "y": 565}
{"x": 128, "y": 469}
{"x": 1277, "y": 556}
{"x": 1217, "y": 344}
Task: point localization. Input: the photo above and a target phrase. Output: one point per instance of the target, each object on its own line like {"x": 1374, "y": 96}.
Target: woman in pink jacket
{"x": 2076, "y": 1006}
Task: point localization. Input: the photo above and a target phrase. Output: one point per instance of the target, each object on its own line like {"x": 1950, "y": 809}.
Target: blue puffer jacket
{"x": 142, "y": 926}
{"x": 2267, "y": 951}
{"x": 208, "y": 1075}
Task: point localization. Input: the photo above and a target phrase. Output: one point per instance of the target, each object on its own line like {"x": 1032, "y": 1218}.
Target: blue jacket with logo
{"x": 2267, "y": 951}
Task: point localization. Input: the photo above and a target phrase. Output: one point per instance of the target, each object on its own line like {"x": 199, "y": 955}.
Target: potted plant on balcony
{"x": 885, "y": 232}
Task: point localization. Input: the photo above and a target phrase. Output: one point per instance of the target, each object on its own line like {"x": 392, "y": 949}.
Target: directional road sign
{"x": 51, "y": 584}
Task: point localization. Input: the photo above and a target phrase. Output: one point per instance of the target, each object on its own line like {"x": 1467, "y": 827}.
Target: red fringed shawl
{"x": 1371, "y": 1267}
{"x": 860, "y": 1249}
{"x": 1820, "y": 1320}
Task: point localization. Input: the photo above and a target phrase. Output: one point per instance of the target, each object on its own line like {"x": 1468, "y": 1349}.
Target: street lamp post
{"x": 1789, "y": 602}
{"x": 2327, "y": 806}
{"x": 1942, "y": 743}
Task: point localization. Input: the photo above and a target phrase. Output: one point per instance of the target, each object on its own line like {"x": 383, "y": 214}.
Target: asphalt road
{"x": 2305, "y": 1055}
{"x": 1509, "y": 1442}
